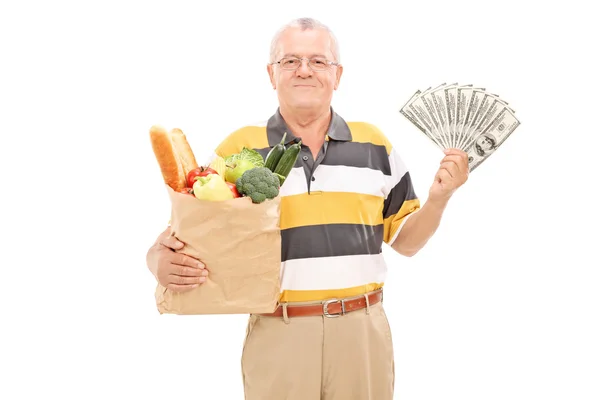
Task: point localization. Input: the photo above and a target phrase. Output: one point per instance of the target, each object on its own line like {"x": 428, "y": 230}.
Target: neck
{"x": 308, "y": 124}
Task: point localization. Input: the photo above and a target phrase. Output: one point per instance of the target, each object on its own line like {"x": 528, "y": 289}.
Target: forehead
{"x": 307, "y": 43}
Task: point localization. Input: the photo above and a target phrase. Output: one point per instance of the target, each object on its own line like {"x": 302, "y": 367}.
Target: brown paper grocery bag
{"x": 240, "y": 244}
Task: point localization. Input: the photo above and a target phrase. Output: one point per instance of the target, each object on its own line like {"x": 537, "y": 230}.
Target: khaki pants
{"x": 318, "y": 358}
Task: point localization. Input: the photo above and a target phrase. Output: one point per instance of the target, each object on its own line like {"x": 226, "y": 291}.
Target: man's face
{"x": 305, "y": 88}
{"x": 485, "y": 143}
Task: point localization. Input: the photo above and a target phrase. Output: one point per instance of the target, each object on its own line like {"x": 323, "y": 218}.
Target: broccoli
{"x": 259, "y": 184}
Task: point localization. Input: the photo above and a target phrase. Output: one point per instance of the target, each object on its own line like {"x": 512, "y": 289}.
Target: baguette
{"x": 174, "y": 155}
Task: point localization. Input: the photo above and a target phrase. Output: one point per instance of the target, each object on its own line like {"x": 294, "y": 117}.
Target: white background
{"x": 503, "y": 303}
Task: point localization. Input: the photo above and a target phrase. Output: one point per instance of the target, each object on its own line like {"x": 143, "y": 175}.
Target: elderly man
{"x": 348, "y": 193}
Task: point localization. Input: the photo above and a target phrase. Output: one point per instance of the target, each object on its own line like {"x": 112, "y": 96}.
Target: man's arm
{"x": 419, "y": 228}
{"x": 151, "y": 259}
{"x": 423, "y": 223}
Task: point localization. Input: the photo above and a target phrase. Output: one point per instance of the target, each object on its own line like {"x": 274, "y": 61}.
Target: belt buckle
{"x": 334, "y": 315}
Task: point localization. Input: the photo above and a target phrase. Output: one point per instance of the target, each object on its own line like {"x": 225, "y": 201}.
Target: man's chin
{"x": 306, "y": 103}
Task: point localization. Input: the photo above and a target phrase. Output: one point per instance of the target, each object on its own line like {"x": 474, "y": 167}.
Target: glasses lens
{"x": 318, "y": 64}
{"x": 289, "y": 63}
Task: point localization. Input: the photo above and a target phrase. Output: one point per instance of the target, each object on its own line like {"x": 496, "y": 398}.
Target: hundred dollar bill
{"x": 477, "y": 97}
{"x": 419, "y": 110}
{"x": 412, "y": 117}
{"x": 427, "y": 100}
{"x": 491, "y": 111}
{"x": 463, "y": 99}
{"x": 451, "y": 98}
{"x": 480, "y": 107}
{"x": 482, "y": 116}
{"x": 485, "y": 143}
{"x": 438, "y": 98}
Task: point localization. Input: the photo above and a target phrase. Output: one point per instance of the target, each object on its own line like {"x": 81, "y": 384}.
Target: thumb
{"x": 172, "y": 242}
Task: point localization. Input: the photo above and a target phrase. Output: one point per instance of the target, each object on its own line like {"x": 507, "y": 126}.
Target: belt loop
{"x": 286, "y": 319}
{"x": 368, "y": 305}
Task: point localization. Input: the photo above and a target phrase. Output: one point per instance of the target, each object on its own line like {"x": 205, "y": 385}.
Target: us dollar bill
{"x": 490, "y": 138}
{"x": 451, "y": 95}
{"x": 409, "y": 112}
{"x": 438, "y": 98}
{"x": 450, "y": 100}
{"x": 427, "y": 101}
{"x": 463, "y": 99}
{"x": 417, "y": 109}
{"x": 486, "y": 110}
{"x": 472, "y": 107}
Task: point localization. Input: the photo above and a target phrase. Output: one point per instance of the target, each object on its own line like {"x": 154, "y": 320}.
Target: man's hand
{"x": 452, "y": 174}
{"x": 420, "y": 227}
{"x": 174, "y": 271}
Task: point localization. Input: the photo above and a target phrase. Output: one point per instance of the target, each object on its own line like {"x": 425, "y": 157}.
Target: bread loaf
{"x": 174, "y": 155}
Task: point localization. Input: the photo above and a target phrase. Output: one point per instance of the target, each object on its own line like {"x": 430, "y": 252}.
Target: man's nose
{"x": 304, "y": 70}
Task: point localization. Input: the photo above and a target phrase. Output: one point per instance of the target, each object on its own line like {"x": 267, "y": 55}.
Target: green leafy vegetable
{"x": 247, "y": 154}
{"x": 253, "y": 156}
{"x": 231, "y": 158}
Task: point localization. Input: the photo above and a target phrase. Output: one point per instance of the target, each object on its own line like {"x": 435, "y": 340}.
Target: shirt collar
{"x": 276, "y": 127}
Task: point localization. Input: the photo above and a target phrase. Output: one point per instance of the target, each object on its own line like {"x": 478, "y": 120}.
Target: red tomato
{"x": 233, "y": 189}
{"x": 186, "y": 191}
{"x": 200, "y": 171}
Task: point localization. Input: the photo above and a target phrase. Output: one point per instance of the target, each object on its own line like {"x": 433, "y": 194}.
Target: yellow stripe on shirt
{"x": 319, "y": 295}
{"x": 330, "y": 208}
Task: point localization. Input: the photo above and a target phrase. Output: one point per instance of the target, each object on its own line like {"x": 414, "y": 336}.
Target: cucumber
{"x": 275, "y": 154}
{"x": 288, "y": 160}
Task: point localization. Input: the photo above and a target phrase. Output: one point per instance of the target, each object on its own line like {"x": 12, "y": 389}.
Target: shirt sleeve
{"x": 401, "y": 201}
{"x": 232, "y": 144}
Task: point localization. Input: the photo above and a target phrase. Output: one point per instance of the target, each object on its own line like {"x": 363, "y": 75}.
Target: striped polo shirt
{"x": 337, "y": 209}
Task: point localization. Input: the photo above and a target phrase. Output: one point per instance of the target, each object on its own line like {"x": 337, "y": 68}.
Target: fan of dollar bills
{"x": 462, "y": 117}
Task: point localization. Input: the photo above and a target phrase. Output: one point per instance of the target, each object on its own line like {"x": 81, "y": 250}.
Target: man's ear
{"x": 338, "y": 76}
{"x": 271, "y": 73}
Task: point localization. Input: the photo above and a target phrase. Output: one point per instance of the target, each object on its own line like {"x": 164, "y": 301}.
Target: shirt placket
{"x": 309, "y": 164}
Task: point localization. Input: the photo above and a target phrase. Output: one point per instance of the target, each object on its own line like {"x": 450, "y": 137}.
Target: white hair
{"x": 304, "y": 24}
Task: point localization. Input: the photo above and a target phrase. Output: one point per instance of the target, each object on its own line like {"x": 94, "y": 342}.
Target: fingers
{"x": 177, "y": 271}
{"x": 171, "y": 242}
{"x": 457, "y": 163}
{"x": 185, "y": 280}
{"x": 182, "y": 270}
{"x": 443, "y": 175}
{"x": 186, "y": 266}
{"x": 454, "y": 166}
{"x": 180, "y": 288}
{"x": 450, "y": 167}
{"x": 182, "y": 277}
{"x": 459, "y": 160}
{"x": 456, "y": 152}
{"x": 185, "y": 260}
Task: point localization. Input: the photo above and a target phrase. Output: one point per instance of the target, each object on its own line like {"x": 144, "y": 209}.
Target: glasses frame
{"x": 329, "y": 63}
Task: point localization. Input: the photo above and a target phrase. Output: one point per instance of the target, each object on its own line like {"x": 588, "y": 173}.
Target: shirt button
{"x": 305, "y": 158}
{"x": 312, "y": 179}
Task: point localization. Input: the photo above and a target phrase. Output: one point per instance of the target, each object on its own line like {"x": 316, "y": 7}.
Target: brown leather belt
{"x": 329, "y": 308}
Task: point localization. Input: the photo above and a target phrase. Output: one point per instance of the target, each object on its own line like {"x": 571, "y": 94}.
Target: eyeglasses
{"x": 293, "y": 63}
